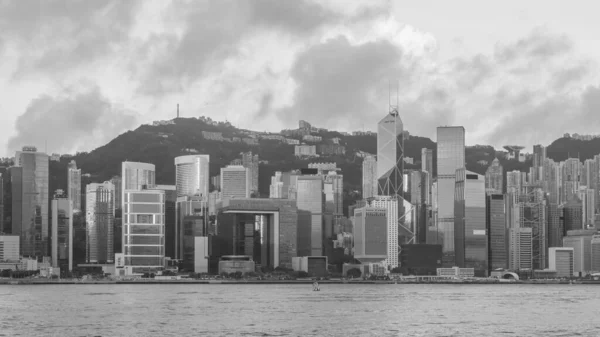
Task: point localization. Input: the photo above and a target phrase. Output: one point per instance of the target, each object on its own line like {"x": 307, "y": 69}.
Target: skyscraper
{"x": 192, "y": 175}
{"x": 390, "y": 204}
{"x": 143, "y": 231}
{"x": 571, "y": 174}
{"x": 470, "y": 235}
{"x": 369, "y": 177}
{"x": 581, "y": 242}
{"x": 310, "y": 198}
{"x": 595, "y": 256}
{"x": 520, "y": 249}
{"x": 100, "y": 222}
{"x": 62, "y": 232}
{"x": 494, "y": 178}
{"x": 32, "y": 203}
{"x": 532, "y": 214}
{"x": 135, "y": 176}
{"x": 235, "y": 182}
{"x": 370, "y": 234}
{"x": 251, "y": 162}
{"x": 539, "y": 157}
{"x": 450, "y": 157}
{"x": 497, "y": 232}
{"x": 390, "y": 155}
{"x": 74, "y": 186}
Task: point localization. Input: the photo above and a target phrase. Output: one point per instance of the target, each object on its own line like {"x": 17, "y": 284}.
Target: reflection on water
{"x": 295, "y": 310}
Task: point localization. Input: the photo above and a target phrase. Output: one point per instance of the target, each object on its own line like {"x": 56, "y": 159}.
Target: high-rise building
{"x": 370, "y": 234}
{"x": 390, "y": 155}
{"x": 31, "y": 200}
{"x": 551, "y": 180}
{"x": 143, "y": 231}
{"x": 100, "y": 222}
{"x": 118, "y": 183}
{"x": 581, "y": 242}
{"x": 515, "y": 180}
{"x": 170, "y": 217}
{"x": 573, "y": 214}
{"x": 571, "y": 175}
{"x": 595, "y": 256}
{"x": 235, "y": 182}
{"x": 192, "y": 222}
{"x": 539, "y": 157}
{"x": 450, "y": 157}
{"x": 497, "y": 232}
{"x": 251, "y": 162}
{"x": 192, "y": 175}
{"x": 310, "y": 198}
{"x": 136, "y": 176}
{"x": 470, "y": 235}
{"x": 390, "y": 204}
{"x": 276, "y": 188}
{"x": 427, "y": 161}
{"x": 494, "y": 178}
{"x": 369, "y": 177}
{"x": 531, "y": 213}
{"x": 9, "y": 247}
{"x": 62, "y": 231}
{"x": 561, "y": 259}
{"x": 588, "y": 208}
{"x": 74, "y": 186}
{"x": 520, "y": 249}
{"x": 555, "y": 225}
{"x": 2, "y": 191}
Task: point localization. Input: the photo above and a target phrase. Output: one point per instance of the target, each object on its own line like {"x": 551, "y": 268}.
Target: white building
{"x": 9, "y": 248}
{"x": 143, "y": 231}
{"x": 369, "y": 177}
{"x": 389, "y": 203}
{"x": 561, "y": 260}
{"x": 192, "y": 175}
{"x": 235, "y": 182}
{"x": 201, "y": 254}
{"x": 305, "y": 150}
{"x": 520, "y": 249}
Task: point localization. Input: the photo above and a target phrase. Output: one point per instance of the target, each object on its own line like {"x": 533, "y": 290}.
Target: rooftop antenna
{"x": 177, "y": 110}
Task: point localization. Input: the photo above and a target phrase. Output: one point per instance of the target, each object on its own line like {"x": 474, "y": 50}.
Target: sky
{"x": 76, "y": 74}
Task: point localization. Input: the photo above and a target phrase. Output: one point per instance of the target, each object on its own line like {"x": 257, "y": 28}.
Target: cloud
{"x": 213, "y": 32}
{"x": 76, "y": 121}
{"x": 338, "y": 80}
{"x": 60, "y": 35}
{"x": 539, "y": 45}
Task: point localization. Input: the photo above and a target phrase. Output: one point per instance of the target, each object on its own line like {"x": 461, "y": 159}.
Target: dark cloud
{"x": 337, "y": 81}
{"x": 79, "y": 122}
{"x": 539, "y": 45}
{"x": 214, "y": 30}
{"x": 64, "y": 33}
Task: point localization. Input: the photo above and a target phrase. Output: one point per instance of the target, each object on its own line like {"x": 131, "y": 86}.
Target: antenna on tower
{"x": 177, "y": 110}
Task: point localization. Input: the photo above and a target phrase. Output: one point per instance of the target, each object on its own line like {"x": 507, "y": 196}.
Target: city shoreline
{"x": 307, "y": 282}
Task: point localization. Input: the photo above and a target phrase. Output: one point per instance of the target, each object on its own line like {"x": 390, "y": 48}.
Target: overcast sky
{"x": 75, "y": 74}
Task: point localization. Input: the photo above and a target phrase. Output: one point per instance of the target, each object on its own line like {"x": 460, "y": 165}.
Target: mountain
{"x": 161, "y": 142}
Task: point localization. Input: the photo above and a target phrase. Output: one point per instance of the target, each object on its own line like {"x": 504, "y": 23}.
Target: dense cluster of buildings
{"x": 444, "y": 221}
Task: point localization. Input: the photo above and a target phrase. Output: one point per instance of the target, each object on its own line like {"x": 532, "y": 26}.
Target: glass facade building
{"x": 450, "y": 157}
{"x": 100, "y": 222}
{"x": 470, "y": 239}
{"x": 310, "y": 198}
{"x": 33, "y": 202}
{"x": 370, "y": 234}
{"x": 497, "y": 231}
{"x": 390, "y": 155}
{"x": 74, "y": 186}
{"x": 143, "y": 231}
{"x": 369, "y": 177}
{"x": 494, "y": 178}
{"x": 136, "y": 176}
{"x": 192, "y": 175}
{"x": 62, "y": 233}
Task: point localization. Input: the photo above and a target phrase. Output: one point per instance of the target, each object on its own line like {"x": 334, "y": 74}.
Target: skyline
{"x": 111, "y": 66}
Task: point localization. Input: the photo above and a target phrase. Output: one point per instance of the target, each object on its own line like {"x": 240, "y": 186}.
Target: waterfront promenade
{"x": 40, "y": 281}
